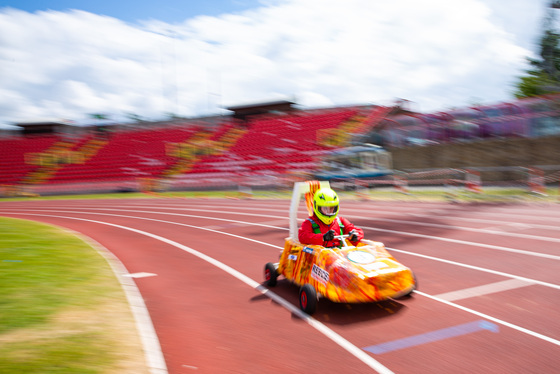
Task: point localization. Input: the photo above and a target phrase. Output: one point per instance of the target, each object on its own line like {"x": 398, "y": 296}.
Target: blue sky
{"x": 67, "y": 59}
{"x": 172, "y": 11}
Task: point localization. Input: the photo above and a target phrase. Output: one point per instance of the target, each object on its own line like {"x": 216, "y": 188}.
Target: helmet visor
{"x": 329, "y": 210}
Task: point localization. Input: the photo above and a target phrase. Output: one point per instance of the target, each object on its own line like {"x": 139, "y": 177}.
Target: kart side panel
{"x": 296, "y": 262}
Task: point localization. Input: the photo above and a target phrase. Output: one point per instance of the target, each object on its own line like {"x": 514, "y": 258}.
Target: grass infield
{"x": 62, "y": 310}
{"x": 490, "y": 194}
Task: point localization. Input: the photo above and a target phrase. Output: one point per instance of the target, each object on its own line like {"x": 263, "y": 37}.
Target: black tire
{"x": 270, "y": 275}
{"x": 308, "y": 299}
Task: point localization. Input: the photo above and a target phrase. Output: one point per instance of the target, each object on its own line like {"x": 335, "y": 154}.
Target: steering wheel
{"x": 341, "y": 239}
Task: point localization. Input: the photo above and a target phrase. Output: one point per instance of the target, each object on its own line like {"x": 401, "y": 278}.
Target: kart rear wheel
{"x": 270, "y": 274}
{"x": 308, "y": 299}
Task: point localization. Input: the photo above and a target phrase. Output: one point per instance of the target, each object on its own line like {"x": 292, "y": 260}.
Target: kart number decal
{"x": 319, "y": 274}
{"x": 292, "y": 257}
{"x": 361, "y": 257}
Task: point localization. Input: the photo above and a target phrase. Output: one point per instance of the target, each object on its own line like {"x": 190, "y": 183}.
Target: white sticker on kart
{"x": 375, "y": 266}
{"x": 320, "y": 275}
{"x": 361, "y": 257}
{"x": 308, "y": 250}
{"x": 292, "y": 257}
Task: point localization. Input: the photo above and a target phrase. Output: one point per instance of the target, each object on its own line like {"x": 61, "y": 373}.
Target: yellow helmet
{"x": 325, "y": 205}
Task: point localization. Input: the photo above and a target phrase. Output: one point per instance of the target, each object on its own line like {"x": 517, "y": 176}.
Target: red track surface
{"x": 210, "y": 321}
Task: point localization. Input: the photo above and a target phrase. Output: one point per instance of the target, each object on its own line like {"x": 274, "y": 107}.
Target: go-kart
{"x": 349, "y": 274}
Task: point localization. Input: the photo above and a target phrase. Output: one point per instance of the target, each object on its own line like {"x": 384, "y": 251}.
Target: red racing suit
{"x": 307, "y": 234}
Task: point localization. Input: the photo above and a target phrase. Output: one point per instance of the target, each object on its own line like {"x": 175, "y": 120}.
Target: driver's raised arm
{"x": 349, "y": 227}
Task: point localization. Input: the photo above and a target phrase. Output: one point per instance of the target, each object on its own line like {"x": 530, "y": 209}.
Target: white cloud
{"x": 437, "y": 53}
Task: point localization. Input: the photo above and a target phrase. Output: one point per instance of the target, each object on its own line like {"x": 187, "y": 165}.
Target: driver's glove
{"x": 328, "y": 236}
{"x": 353, "y": 236}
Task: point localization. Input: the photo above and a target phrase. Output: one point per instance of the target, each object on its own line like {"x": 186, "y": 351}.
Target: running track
{"x": 489, "y": 278}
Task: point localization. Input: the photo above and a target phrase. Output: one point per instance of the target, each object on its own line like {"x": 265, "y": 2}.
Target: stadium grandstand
{"x": 259, "y": 144}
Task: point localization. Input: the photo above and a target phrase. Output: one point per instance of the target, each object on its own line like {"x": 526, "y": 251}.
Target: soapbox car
{"x": 349, "y": 274}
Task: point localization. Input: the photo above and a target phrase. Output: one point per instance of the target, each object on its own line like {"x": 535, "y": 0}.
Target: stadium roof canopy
{"x": 46, "y": 126}
{"x": 243, "y": 111}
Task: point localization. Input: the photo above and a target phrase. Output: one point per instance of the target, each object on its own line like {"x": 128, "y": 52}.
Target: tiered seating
{"x": 13, "y": 151}
{"x": 280, "y": 144}
{"x": 127, "y": 155}
{"x": 271, "y": 145}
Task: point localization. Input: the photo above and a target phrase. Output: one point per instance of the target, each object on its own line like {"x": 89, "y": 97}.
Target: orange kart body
{"x": 351, "y": 274}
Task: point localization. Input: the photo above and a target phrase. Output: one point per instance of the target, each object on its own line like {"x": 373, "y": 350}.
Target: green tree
{"x": 134, "y": 117}
{"x": 99, "y": 116}
{"x": 543, "y": 76}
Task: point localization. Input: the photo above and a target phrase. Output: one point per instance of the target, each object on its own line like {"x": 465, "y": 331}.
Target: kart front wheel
{"x": 308, "y": 299}
{"x": 270, "y": 274}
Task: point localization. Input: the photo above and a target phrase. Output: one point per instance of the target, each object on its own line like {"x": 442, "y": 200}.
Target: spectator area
{"x": 13, "y": 153}
{"x": 264, "y": 145}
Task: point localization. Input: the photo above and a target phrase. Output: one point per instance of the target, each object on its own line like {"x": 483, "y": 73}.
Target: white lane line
{"x": 438, "y": 213}
{"x": 266, "y": 206}
{"x": 497, "y": 215}
{"x": 507, "y": 227}
{"x": 148, "y": 337}
{"x": 546, "y": 284}
{"x": 486, "y": 289}
{"x": 508, "y": 275}
{"x": 493, "y": 319}
{"x": 169, "y": 222}
{"x": 139, "y": 275}
{"x": 268, "y": 224}
{"x": 336, "y": 338}
{"x": 320, "y": 326}
{"x": 473, "y": 244}
{"x": 298, "y": 312}
{"x": 484, "y": 231}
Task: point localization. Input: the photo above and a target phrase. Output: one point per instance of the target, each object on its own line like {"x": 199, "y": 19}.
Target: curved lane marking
{"x": 538, "y": 226}
{"x": 148, "y": 337}
{"x": 457, "y": 241}
{"x": 291, "y": 307}
{"x": 508, "y": 275}
{"x": 336, "y": 338}
{"x": 473, "y": 244}
{"x": 486, "y": 289}
{"x": 493, "y": 319}
{"x": 484, "y": 231}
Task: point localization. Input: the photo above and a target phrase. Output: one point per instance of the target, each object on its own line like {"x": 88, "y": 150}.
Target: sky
{"x": 67, "y": 60}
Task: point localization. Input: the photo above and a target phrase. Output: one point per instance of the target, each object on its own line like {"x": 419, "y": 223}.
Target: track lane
{"x": 403, "y": 311}
{"x": 536, "y": 268}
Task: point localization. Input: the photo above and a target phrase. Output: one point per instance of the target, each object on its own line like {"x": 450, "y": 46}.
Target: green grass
{"x": 60, "y": 304}
{"x": 136, "y": 195}
{"x": 387, "y": 193}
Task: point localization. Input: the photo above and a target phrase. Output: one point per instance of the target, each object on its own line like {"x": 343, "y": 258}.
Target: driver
{"x": 324, "y": 224}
